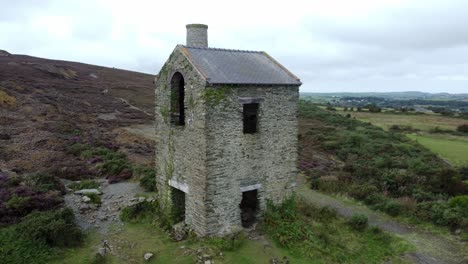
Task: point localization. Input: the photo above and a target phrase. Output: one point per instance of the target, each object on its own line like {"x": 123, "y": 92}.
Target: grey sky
{"x": 332, "y": 45}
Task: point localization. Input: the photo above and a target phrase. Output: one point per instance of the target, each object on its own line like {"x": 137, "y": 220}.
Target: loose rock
{"x": 148, "y": 256}
{"x": 87, "y": 191}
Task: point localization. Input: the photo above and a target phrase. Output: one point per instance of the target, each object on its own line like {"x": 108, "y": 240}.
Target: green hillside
{"x": 385, "y": 170}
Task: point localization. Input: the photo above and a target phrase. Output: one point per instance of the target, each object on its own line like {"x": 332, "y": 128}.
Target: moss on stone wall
{"x": 215, "y": 96}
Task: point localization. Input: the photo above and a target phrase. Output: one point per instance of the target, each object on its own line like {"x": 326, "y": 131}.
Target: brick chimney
{"x": 197, "y": 35}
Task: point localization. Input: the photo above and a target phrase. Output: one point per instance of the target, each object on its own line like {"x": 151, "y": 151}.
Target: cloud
{"x": 333, "y": 45}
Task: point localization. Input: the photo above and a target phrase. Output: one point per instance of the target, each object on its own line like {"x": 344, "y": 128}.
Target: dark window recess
{"x": 250, "y": 118}
{"x": 178, "y": 205}
{"x": 177, "y": 100}
{"x": 249, "y": 208}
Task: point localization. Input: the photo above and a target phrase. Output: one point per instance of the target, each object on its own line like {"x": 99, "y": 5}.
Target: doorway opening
{"x": 249, "y": 208}
{"x": 178, "y": 205}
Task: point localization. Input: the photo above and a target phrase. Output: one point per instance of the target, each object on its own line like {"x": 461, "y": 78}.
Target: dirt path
{"x": 430, "y": 248}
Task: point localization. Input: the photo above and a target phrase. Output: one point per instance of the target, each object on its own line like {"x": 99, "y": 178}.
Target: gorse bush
{"x": 38, "y": 236}
{"x": 146, "y": 176}
{"x": 358, "y": 222}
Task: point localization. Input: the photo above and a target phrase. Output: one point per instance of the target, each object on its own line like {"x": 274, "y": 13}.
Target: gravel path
{"x": 114, "y": 197}
{"x": 430, "y": 248}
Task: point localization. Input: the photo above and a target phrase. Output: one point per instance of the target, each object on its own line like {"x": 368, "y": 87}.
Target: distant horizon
{"x": 302, "y": 88}
{"x": 332, "y": 46}
{"x": 409, "y": 91}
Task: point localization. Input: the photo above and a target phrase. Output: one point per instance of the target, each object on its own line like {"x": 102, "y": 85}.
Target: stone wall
{"x": 211, "y": 159}
{"x": 235, "y": 160}
{"x": 181, "y": 150}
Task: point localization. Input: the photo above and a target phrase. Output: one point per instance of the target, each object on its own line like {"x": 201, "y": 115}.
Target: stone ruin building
{"x": 226, "y": 126}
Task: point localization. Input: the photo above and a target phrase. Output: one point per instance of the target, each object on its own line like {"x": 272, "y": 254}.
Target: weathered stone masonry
{"x": 210, "y": 158}
{"x": 235, "y": 160}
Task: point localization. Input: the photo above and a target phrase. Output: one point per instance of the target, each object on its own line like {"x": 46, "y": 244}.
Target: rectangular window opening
{"x": 250, "y": 118}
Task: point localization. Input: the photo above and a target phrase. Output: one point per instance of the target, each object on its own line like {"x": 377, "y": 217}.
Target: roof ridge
{"x": 221, "y": 49}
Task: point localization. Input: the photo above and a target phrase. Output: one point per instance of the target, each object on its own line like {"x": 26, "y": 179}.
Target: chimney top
{"x": 197, "y": 35}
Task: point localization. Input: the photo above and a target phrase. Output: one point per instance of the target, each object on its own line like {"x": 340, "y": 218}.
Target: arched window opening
{"x": 177, "y": 100}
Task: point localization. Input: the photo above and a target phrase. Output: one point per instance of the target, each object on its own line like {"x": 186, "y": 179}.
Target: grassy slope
{"x": 134, "y": 240}
{"x": 387, "y": 171}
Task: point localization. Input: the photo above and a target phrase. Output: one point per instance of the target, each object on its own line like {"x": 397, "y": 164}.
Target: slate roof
{"x": 224, "y": 66}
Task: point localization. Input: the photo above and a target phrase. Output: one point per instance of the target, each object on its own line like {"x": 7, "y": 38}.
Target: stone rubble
{"x": 88, "y": 191}
{"x": 114, "y": 197}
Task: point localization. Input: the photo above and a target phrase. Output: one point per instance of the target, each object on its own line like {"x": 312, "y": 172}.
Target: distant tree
{"x": 351, "y": 109}
{"x": 463, "y": 128}
{"x": 330, "y": 108}
{"x": 359, "y": 109}
{"x": 345, "y": 108}
{"x": 374, "y": 108}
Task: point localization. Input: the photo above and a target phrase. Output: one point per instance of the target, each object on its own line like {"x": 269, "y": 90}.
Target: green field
{"x": 454, "y": 150}
{"x": 424, "y": 122}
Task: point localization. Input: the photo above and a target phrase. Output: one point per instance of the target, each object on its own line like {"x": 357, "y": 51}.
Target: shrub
{"x": 283, "y": 224}
{"x": 464, "y": 173}
{"x": 35, "y": 238}
{"x": 54, "y": 228}
{"x": 320, "y": 214}
{"x": 358, "y": 222}
{"x": 77, "y": 148}
{"x": 460, "y": 202}
{"x": 402, "y": 128}
{"x": 408, "y": 204}
{"x": 147, "y": 177}
{"x": 463, "y": 128}
{"x": 112, "y": 164}
{"x": 330, "y": 184}
{"x": 361, "y": 192}
{"x": 95, "y": 198}
{"x": 443, "y": 213}
{"x": 376, "y": 199}
{"x": 85, "y": 184}
{"x": 393, "y": 208}
{"x": 17, "y": 201}
{"x": 140, "y": 211}
{"x": 45, "y": 182}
